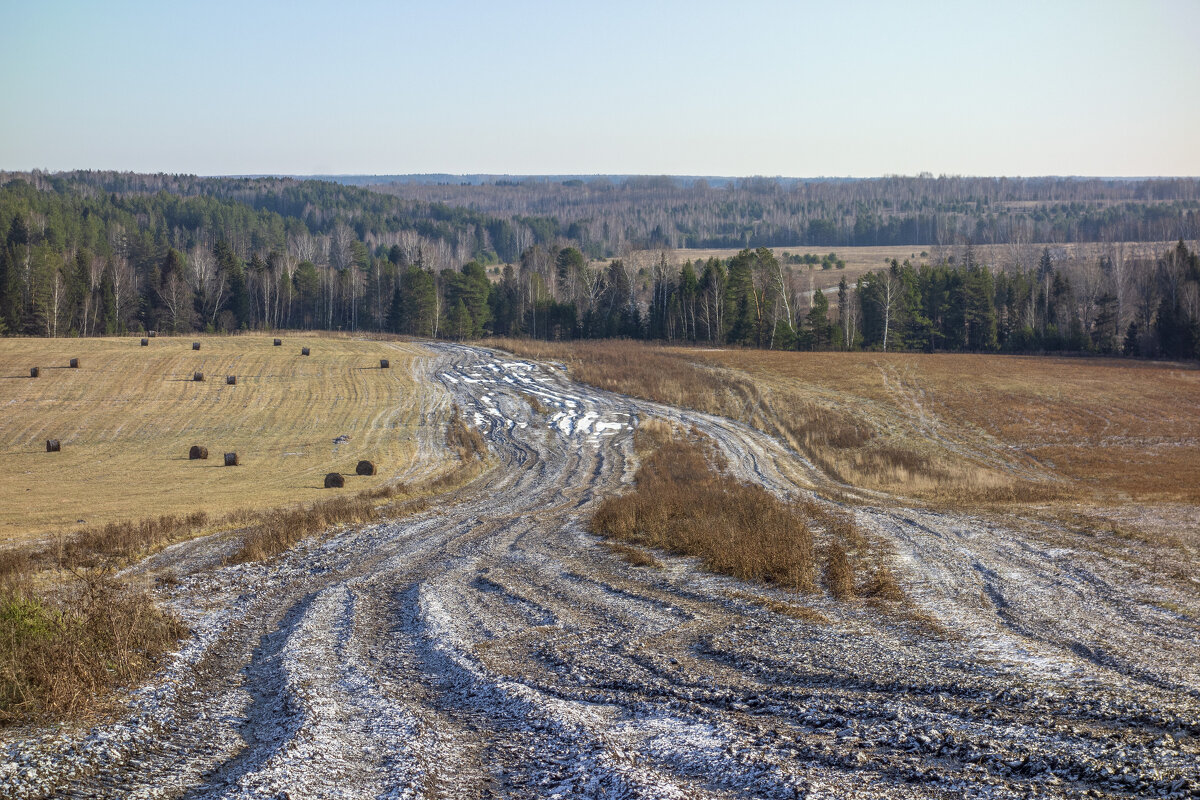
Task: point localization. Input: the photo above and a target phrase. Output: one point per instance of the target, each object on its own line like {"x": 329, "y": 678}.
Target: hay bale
{"x": 195, "y": 345}
{"x": 199, "y": 376}
{"x": 34, "y": 372}
{"x": 74, "y": 363}
{"x": 53, "y": 446}
{"x": 365, "y": 467}
{"x": 152, "y": 334}
{"x": 145, "y": 342}
{"x": 384, "y": 364}
{"x": 278, "y": 342}
{"x": 198, "y": 452}
{"x": 231, "y": 459}
{"x": 231, "y": 380}
{"x": 303, "y": 351}
{"x": 334, "y": 480}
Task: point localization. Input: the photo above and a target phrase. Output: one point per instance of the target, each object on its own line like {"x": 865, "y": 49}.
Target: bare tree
{"x": 176, "y": 296}
{"x": 124, "y": 283}
{"x": 208, "y": 282}
{"x": 890, "y": 288}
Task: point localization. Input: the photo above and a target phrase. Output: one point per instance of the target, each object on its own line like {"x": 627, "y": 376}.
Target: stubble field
{"x": 949, "y": 428}
{"x": 128, "y": 415}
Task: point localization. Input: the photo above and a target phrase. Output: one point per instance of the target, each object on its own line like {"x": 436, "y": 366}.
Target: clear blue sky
{"x": 720, "y": 88}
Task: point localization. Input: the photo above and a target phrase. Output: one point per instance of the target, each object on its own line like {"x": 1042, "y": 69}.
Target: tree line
{"x": 755, "y": 299}
{"x": 605, "y": 216}
{"x": 112, "y": 254}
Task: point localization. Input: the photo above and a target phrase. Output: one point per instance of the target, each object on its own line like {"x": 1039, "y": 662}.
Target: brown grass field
{"x": 943, "y": 428}
{"x": 127, "y": 417}
{"x": 861, "y": 260}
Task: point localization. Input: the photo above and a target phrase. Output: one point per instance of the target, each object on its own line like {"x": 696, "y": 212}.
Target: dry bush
{"x": 14, "y": 561}
{"x": 59, "y": 653}
{"x": 682, "y": 505}
{"x": 276, "y": 531}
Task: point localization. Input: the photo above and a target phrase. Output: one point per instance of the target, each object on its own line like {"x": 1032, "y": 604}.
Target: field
{"x": 945, "y": 427}
{"x": 860, "y": 260}
{"x": 128, "y": 416}
{"x": 921, "y": 576}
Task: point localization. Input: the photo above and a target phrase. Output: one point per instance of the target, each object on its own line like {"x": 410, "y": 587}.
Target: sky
{"x": 691, "y": 88}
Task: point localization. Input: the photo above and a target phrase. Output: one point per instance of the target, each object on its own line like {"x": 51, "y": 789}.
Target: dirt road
{"x": 491, "y": 648}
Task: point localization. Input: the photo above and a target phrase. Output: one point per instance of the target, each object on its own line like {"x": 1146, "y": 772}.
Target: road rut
{"x": 489, "y": 647}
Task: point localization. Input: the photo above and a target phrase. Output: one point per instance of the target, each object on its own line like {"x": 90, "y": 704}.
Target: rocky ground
{"x": 490, "y": 647}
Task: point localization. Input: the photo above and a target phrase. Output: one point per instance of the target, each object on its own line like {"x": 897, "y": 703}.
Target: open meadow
{"x": 127, "y": 417}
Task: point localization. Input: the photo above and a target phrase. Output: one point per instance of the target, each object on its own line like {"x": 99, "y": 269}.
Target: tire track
{"x": 489, "y": 648}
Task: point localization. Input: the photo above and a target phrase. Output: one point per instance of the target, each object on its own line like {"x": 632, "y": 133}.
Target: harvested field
{"x": 860, "y": 260}
{"x": 127, "y": 421}
{"x": 942, "y": 428}
{"x": 487, "y": 644}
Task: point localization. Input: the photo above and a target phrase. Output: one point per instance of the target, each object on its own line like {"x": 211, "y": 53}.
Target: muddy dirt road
{"x": 490, "y": 647}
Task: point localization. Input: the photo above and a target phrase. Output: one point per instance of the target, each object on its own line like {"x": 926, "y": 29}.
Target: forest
{"x": 95, "y": 253}
{"x": 604, "y": 215}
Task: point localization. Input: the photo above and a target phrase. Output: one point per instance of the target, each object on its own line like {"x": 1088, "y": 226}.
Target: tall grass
{"x": 684, "y": 506}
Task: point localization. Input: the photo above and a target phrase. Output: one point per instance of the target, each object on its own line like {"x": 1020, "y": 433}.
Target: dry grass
{"x": 59, "y": 655}
{"x": 466, "y": 442}
{"x": 946, "y": 428}
{"x": 683, "y": 504}
{"x": 860, "y": 260}
{"x": 129, "y": 416}
{"x": 633, "y": 555}
{"x": 535, "y": 405}
{"x": 275, "y": 531}
{"x": 68, "y": 634}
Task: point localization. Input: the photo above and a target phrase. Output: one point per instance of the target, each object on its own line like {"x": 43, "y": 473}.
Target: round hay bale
{"x": 145, "y": 342}
{"x": 278, "y": 342}
{"x": 53, "y": 446}
{"x": 74, "y": 363}
{"x": 34, "y": 372}
{"x": 334, "y": 480}
{"x": 152, "y": 334}
{"x": 303, "y": 351}
{"x": 199, "y": 376}
{"x": 195, "y": 345}
{"x": 365, "y": 467}
{"x": 231, "y": 459}
{"x": 198, "y": 452}
{"x": 384, "y": 364}
{"x": 231, "y": 380}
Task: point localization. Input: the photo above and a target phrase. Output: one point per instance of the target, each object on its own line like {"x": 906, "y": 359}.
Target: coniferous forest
{"x": 95, "y": 253}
